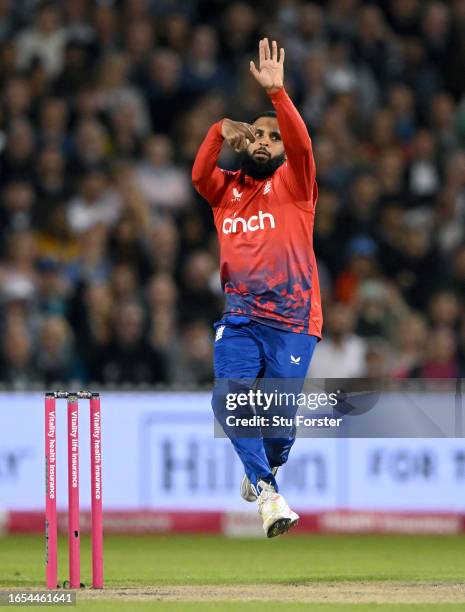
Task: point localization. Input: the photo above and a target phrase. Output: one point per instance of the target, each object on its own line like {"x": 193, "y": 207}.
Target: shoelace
{"x": 266, "y": 494}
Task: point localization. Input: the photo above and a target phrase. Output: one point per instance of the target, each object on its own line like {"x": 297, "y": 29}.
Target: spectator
{"x": 164, "y": 184}
{"x": 195, "y": 356}
{"x": 96, "y": 203}
{"x": 55, "y": 240}
{"x": 443, "y": 117}
{"x": 444, "y": 309}
{"x": 341, "y": 353}
{"x": 55, "y": 362}
{"x": 420, "y": 267}
{"x": 162, "y": 305}
{"x": 128, "y": 357}
{"x": 90, "y": 315}
{"x": 16, "y": 97}
{"x": 116, "y": 92}
{"x": 380, "y": 308}
{"x": 18, "y": 206}
{"x": 317, "y": 94}
{"x": 53, "y": 289}
{"x": 16, "y": 365}
{"x": 203, "y": 69}
{"x": 378, "y": 359}
{"x": 44, "y": 42}
{"x": 360, "y": 217}
{"x": 140, "y": 40}
{"x": 93, "y": 264}
{"x": 197, "y": 295}
{"x": 73, "y": 74}
{"x": 423, "y": 174}
{"x": 361, "y": 266}
{"x": 90, "y": 138}
{"x": 18, "y": 157}
{"x": 448, "y": 218}
{"x": 409, "y": 342}
{"x": 51, "y": 185}
{"x": 166, "y": 94}
{"x": 164, "y": 246}
{"x": 440, "y": 359}
{"x": 19, "y": 261}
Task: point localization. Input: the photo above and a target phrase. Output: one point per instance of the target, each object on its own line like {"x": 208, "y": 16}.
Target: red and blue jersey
{"x": 265, "y": 228}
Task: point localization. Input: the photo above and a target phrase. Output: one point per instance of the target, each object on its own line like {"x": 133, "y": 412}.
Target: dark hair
{"x": 268, "y": 113}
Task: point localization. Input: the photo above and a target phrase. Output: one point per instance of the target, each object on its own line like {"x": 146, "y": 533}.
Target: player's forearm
{"x": 291, "y": 125}
{"x": 205, "y": 168}
{"x": 297, "y": 145}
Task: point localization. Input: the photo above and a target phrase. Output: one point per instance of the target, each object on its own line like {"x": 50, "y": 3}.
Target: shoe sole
{"x": 282, "y": 526}
{"x": 278, "y": 528}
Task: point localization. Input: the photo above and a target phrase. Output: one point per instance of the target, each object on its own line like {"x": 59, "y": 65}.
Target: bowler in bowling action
{"x": 264, "y": 215}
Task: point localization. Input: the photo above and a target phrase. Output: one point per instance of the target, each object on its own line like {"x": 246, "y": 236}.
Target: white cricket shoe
{"x": 276, "y": 515}
{"x": 247, "y": 490}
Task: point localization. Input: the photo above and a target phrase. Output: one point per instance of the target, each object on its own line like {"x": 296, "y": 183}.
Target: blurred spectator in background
{"x": 51, "y": 186}
{"x": 361, "y": 267}
{"x": 18, "y": 157}
{"x": 56, "y": 360}
{"x": 198, "y": 297}
{"x": 116, "y": 92}
{"x": 409, "y": 342}
{"x": 378, "y": 359}
{"x": 16, "y": 365}
{"x": 166, "y": 94}
{"x": 96, "y": 203}
{"x": 195, "y": 363}
{"x": 165, "y": 185}
{"x": 18, "y": 206}
{"x": 128, "y": 357}
{"x": 342, "y": 354}
{"x": 440, "y": 359}
{"x": 44, "y": 41}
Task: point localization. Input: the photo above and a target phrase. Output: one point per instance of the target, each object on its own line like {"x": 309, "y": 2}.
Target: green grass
{"x": 197, "y": 560}
{"x": 264, "y": 607}
{"x": 166, "y": 560}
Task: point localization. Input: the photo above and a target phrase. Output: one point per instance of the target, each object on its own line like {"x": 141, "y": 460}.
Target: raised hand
{"x": 237, "y": 134}
{"x": 270, "y": 74}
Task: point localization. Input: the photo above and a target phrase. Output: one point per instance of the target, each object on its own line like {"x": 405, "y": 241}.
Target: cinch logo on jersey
{"x": 254, "y": 223}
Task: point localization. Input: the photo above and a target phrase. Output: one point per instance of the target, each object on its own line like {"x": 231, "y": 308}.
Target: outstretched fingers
{"x": 266, "y": 47}
{"x": 261, "y": 52}
{"x": 264, "y": 52}
{"x": 274, "y": 51}
{"x": 254, "y": 70}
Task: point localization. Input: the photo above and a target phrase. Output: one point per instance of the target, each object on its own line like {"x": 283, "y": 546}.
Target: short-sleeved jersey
{"x": 265, "y": 229}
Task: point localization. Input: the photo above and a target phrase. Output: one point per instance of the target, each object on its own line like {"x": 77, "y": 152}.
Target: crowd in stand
{"x": 108, "y": 258}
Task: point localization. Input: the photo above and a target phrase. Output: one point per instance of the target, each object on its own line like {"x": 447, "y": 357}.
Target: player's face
{"x": 268, "y": 143}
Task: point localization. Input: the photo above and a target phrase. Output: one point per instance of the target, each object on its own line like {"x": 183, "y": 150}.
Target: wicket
{"x": 51, "y": 524}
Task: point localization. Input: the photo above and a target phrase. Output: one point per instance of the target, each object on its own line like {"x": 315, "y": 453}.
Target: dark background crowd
{"x": 108, "y": 260}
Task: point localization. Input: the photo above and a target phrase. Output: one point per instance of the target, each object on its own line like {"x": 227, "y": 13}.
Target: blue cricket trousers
{"x": 246, "y": 349}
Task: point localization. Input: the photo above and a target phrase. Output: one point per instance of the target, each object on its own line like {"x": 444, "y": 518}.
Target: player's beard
{"x": 260, "y": 169}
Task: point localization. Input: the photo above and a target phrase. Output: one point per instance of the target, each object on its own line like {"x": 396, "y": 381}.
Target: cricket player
{"x": 264, "y": 216}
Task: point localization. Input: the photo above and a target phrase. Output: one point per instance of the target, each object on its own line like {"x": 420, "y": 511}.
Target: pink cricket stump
{"x": 51, "y": 527}
{"x": 73, "y": 494}
{"x": 96, "y": 491}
